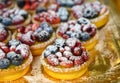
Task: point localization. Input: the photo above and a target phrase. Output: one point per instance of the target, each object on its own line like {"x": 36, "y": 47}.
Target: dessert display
{"x": 49, "y": 16}
{"x": 95, "y": 11}
{"x": 81, "y": 29}
{"x": 13, "y": 17}
{"x": 65, "y": 59}
{"x": 6, "y": 4}
{"x": 15, "y": 60}
{"x": 36, "y": 36}
{"x": 5, "y": 34}
{"x": 68, "y": 3}
{"x": 31, "y": 5}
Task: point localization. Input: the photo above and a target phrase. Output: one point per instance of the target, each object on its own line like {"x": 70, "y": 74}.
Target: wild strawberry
{"x": 78, "y": 44}
{"x": 83, "y": 48}
{"x": 34, "y": 5}
{"x": 27, "y": 6}
{"x": 61, "y": 49}
{"x": 61, "y": 59}
{"x": 65, "y": 36}
{"x": 67, "y": 54}
{"x": 78, "y": 61}
{"x": 77, "y": 51}
{"x": 53, "y": 61}
{"x": 28, "y": 28}
{"x": 72, "y": 58}
{"x": 67, "y": 48}
{"x": 66, "y": 64}
{"x": 60, "y": 33}
{"x": 85, "y": 56}
{"x": 36, "y": 17}
{"x": 21, "y": 29}
{"x": 58, "y": 54}
{"x": 5, "y": 49}
{"x": 35, "y": 26}
{"x": 12, "y": 48}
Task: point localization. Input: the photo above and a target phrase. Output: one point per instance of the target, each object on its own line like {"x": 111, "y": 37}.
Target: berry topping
{"x": 43, "y": 35}
{"x": 11, "y": 55}
{"x": 17, "y": 60}
{"x": 65, "y": 56}
{"x": 4, "y": 63}
{"x": 71, "y": 42}
{"x": 59, "y": 42}
{"x": 6, "y": 21}
{"x": 53, "y": 49}
{"x": 41, "y": 9}
{"x": 18, "y": 19}
{"x": 53, "y": 61}
{"x": 21, "y": 3}
{"x": 85, "y": 36}
{"x": 2, "y": 54}
{"x": 3, "y": 33}
{"x": 66, "y": 64}
{"x": 90, "y": 13}
{"x": 14, "y": 42}
{"x": 23, "y": 13}
{"x": 83, "y": 21}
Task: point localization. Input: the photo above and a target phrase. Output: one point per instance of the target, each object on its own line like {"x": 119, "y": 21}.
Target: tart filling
{"x": 66, "y": 59}
{"x": 95, "y": 11}
{"x": 49, "y": 16}
{"x": 13, "y": 17}
{"x": 36, "y": 36}
{"x": 14, "y": 58}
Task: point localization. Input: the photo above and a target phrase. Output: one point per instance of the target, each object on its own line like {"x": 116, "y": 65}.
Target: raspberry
{"x": 66, "y": 64}
{"x": 53, "y": 61}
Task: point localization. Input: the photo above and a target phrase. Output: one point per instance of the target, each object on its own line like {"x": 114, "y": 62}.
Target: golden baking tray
{"x": 106, "y": 66}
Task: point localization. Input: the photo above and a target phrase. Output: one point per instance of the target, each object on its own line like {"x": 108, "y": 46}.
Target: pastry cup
{"x": 26, "y": 22}
{"x": 65, "y": 73}
{"x": 8, "y": 37}
{"x": 101, "y": 20}
{"x": 14, "y": 73}
{"x": 89, "y": 44}
{"x": 38, "y": 47}
{"x": 38, "y": 22}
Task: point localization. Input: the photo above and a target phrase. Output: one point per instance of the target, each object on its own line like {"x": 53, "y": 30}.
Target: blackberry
{"x": 14, "y": 42}
{"x": 43, "y": 36}
{"x": 4, "y": 63}
{"x": 41, "y": 9}
{"x": 17, "y": 60}
{"x": 10, "y": 55}
{"x": 59, "y": 42}
{"x": 53, "y": 49}
{"x": 75, "y": 35}
{"x": 90, "y": 12}
{"x": 44, "y": 25}
{"x": 83, "y": 21}
{"x": 85, "y": 36}
{"x": 21, "y": 3}
{"x": 6, "y": 21}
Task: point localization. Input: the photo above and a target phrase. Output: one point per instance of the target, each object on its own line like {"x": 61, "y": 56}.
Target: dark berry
{"x": 85, "y": 36}
{"x": 61, "y": 2}
{"x": 14, "y": 42}
{"x": 10, "y": 55}
{"x": 69, "y": 3}
{"x": 17, "y": 60}
{"x": 75, "y": 35}
{"x": 53, "y": 49}
{"x": 47, "y": 53}
{"x": 43, "y": 36}
{"x": 0, "y": 19}
{"x": 49, "y": 29}
{"x": 64, "y": 18}
{"x": 23, "y": 13}
{"x": 6, "y": 21}
{"x": 44, "y": 25}
{"x": 83, "y": 21}
{"x": 41, "y": 9}
{"x": 3, "y": 34}
{"x": 59, "y": 42}
{"x": 4, "y": 63}
{"x": 21, "y": 3}
{"x": 90, "y": 12}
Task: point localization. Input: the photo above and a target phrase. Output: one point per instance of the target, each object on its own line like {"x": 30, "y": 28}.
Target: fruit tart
{"x": 62, "y": 12}
{"x": 65, "y": 59}
{"x": 81, "y": 29}
{"x": 68, "y": 3}
{"x": 5, "y": 34}
{"x": 49, "y": 16}
{"x": 6, "y": 4}
{"x": 95, "y": 11}
{"x": 31, "y": 5}
{"x": 36, "y": 36}
{"x": 13, "y": 17}
{"x": 15, "y": 60}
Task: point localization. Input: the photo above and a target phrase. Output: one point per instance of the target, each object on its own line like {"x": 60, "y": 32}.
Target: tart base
{"x": 65, "y": 76}
{"x": 16, "y": 72}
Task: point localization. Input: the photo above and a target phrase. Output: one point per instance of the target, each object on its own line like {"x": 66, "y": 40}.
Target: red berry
{"x": 53, "y": 61}
{"x": 21, "y": 29}
{"x": 61, "y": 59}
{"x": 60, "y": 33}
{"x": 65, "y": 36}
{"x": 5, "y": 49}
{"x": 34, "y": 5}
{"x": 35, "y": 26}
{"x": 77, "y": 51}
{"x": 66, "y": 64}
{"x": 12, "y": 48}
{"x": 27, "y": 7}
{"x": 36, "y": 17}
{"x": 78, "y": 61}
{"x": 61, "y": 49}
{"x": 78, "y": 44}
{"x": 85, "y": 56}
